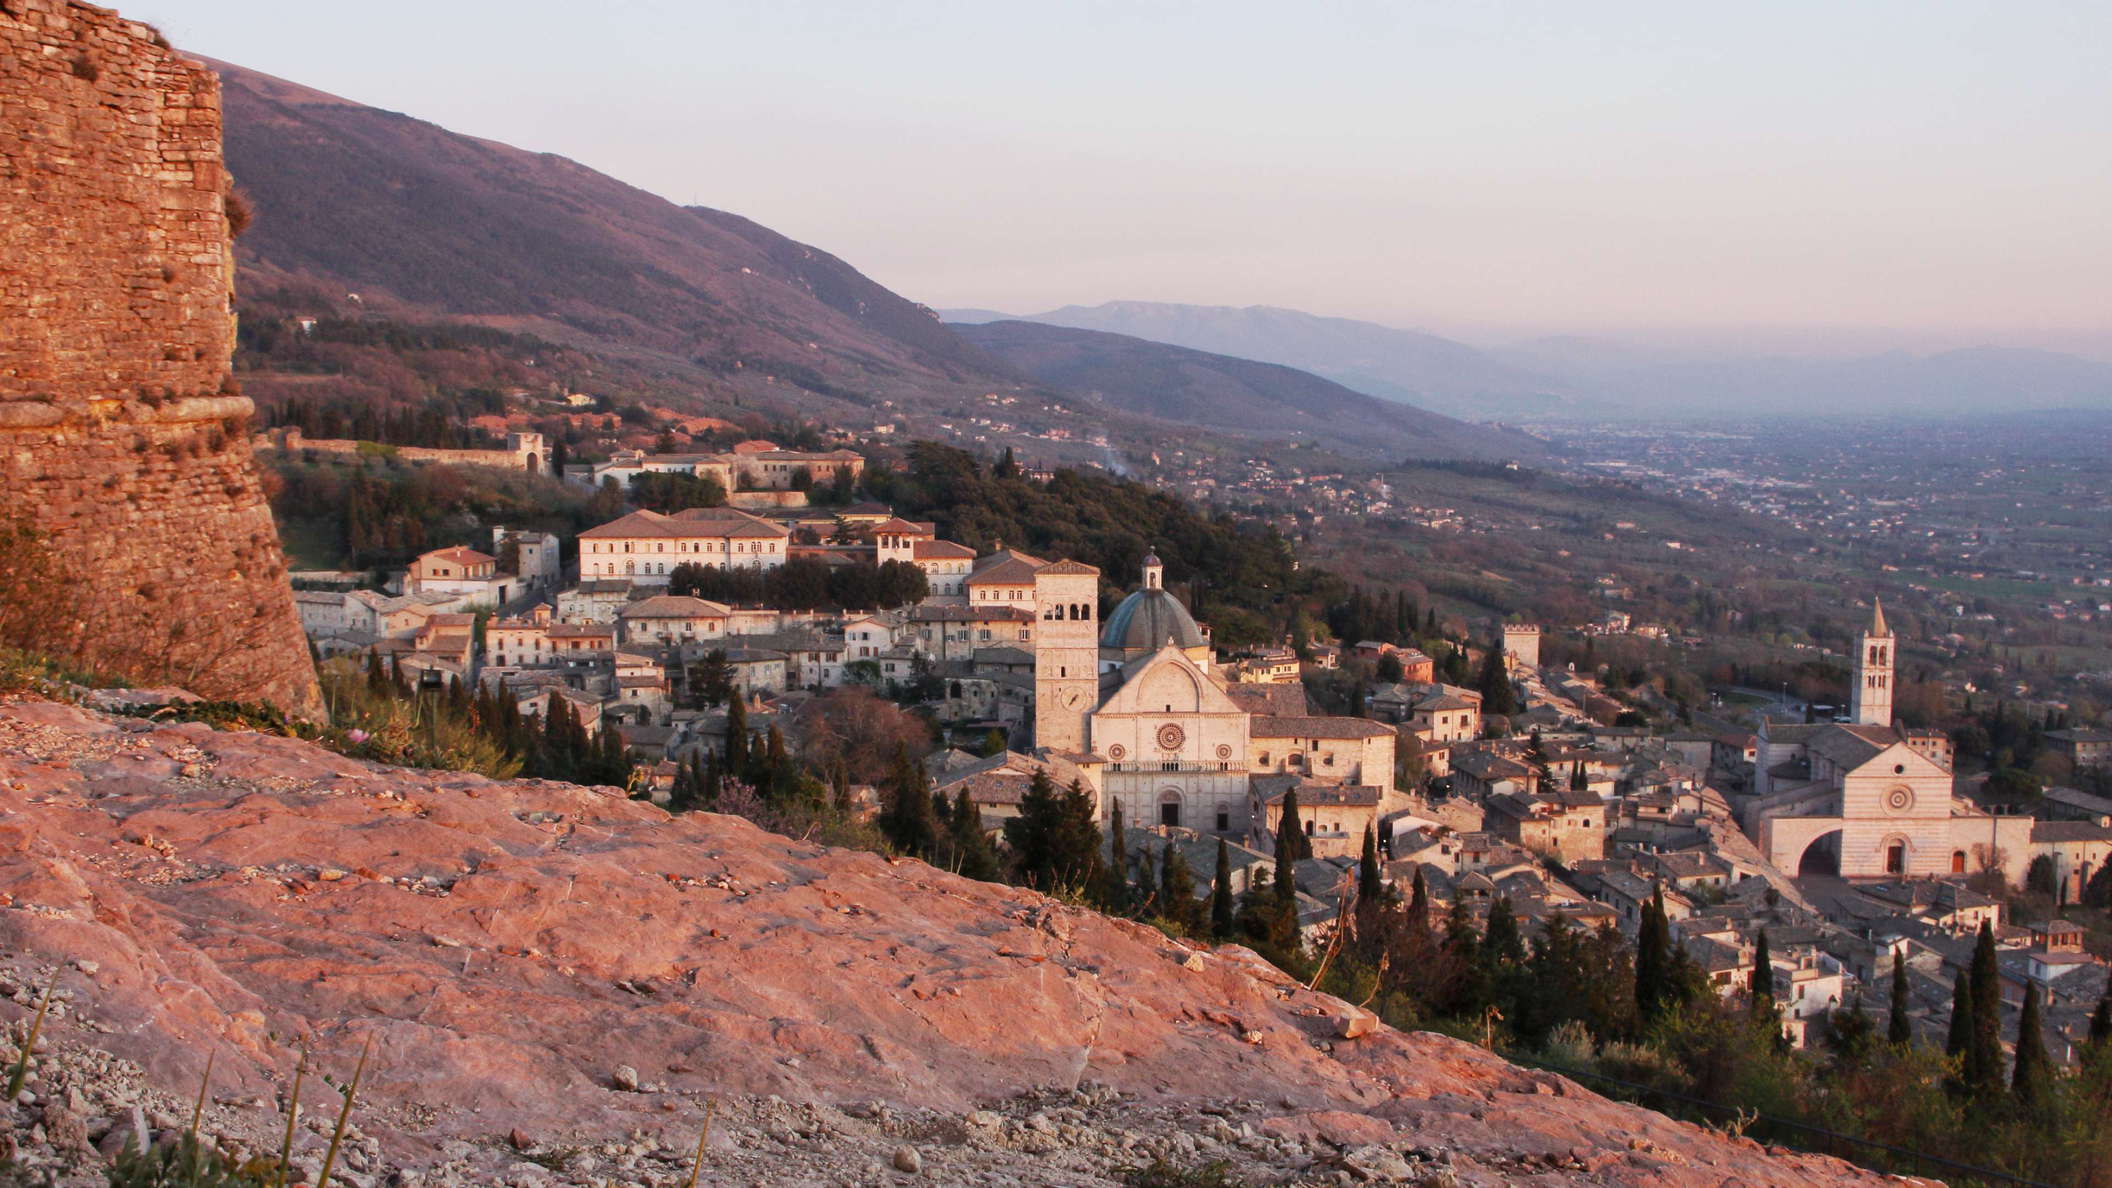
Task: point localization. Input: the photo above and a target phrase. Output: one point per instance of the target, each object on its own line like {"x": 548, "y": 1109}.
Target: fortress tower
{"x": 124, "y": 448}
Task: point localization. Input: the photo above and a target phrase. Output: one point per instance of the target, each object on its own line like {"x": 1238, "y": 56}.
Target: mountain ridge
{"x": 1403, "y": 366}
{"x": 1268, "y": 399}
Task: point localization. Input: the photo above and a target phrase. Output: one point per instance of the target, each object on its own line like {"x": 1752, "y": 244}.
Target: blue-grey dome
{"x": 1147, "y": 619}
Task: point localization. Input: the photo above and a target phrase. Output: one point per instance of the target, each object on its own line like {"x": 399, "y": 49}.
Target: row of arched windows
{"x": 1077, "y": 611}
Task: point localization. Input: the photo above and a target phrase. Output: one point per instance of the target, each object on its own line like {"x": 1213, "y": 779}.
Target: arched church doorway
{"x": 1822, "y": 858}
{"x": 1170, "y": 807}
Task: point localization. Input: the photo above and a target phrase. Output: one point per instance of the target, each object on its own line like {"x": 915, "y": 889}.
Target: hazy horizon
{"x": 1892, "y": 176}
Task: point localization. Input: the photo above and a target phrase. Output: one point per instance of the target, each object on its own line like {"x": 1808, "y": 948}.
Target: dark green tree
{"x": 1371, "y": 885}
{"x": 906, "y": 818}
{"x": 1899, "y": 1029}
{"x": 1653, "y": 959}
{"x": 1497, "y": 696}
{"x": 973, "y": 855}
{"x": 1760, "y": 987}
{"x": 1958, "y": 1040}
{"x": 1291, "y": 843}
{"x": 1983, "y": 1065}
{"x": 1221, "y": 893}
{"x": 2032, "y": 1081}
{"x": 1176, "y": 887}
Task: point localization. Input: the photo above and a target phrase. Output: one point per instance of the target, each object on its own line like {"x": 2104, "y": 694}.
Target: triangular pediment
{"x": 1168, "y": 677}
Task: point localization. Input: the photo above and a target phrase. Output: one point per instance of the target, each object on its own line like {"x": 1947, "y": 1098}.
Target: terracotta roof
{"x": 460, "y": 555}
{"x": 899, "y": 526}
{"x": 1008, "y": 567}
{"x": 943, "y": 550}
{"x": 692, "y": 523}
{"x": 2068, "y": 831}
{"x": 1273, "y": 726}
{"x": 673, "y": 606}
{"x": 1272, "y": 789}
{"x": 1068, "y": 568}
{"x": 986, "y": 612}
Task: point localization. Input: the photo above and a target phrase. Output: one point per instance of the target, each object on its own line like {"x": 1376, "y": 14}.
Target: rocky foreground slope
{"x": 556, "y": 981}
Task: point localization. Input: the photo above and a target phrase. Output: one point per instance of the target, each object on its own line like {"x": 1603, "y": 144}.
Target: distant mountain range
{"x": 1405, "y": 366}
{"x": 1591, "y": 377}
{"x": 1237, "y": 395}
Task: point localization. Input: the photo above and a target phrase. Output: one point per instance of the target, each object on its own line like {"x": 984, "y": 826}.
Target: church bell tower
{"x": 1066, "y": 654}
{"x": 1871, "y": 703}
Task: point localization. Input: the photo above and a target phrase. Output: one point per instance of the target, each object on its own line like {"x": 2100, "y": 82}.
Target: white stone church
{"x": 1867, "y": 798}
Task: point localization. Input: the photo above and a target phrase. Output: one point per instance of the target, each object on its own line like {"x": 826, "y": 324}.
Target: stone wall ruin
{"x": 124, "y": 448}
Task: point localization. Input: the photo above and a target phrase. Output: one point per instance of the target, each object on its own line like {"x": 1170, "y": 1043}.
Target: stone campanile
{"x": 124, "y": 447}
{"x": 1870, "y": 703}
{"x": 1066, "y": 654}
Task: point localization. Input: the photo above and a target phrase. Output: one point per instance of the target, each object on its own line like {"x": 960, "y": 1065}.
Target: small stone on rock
{"x": 908, "y": 1161}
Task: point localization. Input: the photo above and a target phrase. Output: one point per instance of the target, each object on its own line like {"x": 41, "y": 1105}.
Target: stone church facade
{"x": 1866, "y": 798}
{"x": 1138, "y": 707}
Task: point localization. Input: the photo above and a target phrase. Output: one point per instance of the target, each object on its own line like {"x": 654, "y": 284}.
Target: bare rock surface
{"x": 557, "y": 983}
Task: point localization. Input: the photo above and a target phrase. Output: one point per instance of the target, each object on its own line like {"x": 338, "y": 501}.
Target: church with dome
{"x": 1139, "y": 708}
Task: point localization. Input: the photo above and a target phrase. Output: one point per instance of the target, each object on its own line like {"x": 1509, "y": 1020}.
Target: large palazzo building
{"x": 1138, "y": 705}
{"x": 1867, "y": 798}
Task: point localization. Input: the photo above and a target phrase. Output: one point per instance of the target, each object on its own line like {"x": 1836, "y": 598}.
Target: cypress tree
{"x": 1221, "y": 893}
{"x": 1958, "y": 1039}
{"x": 1653, "y": 955}
{"x": 1762, "y": 985}
{"x": 1031, "y": 835}
{"x": 2032, "y": 1080}
{"x": 1898, "y": 1028}
{"x": 1504, "y": 945}
{"x": 1984, "y": 1056}
{"x": 1370, "y": 887}
{"x": 973, "y": 854}
{"x": 1290, "y": 831}
{"x": 1078, "y": 838}
{"x": 1144, "y": 898}
{"x": 905, "y": 812}
{"x": 1419, "y": 903}
{"x": 1176, "y": 887}
{"x": 777, "y": 767}
{"x": 2101, "y": 1025}
{"x": 1118, "y": 895}
{"x": 736, "y": 759}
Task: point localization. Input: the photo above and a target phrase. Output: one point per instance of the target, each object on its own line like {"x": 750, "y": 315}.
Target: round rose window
{"x": 1224, "y": 751}
{"x": 1899, "y": 800}
{"x": 1171, "y": 737}
{"x": 1117, "y": 751}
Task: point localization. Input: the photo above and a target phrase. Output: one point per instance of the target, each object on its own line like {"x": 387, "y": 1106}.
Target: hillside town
{"x": 1839, "y": 848}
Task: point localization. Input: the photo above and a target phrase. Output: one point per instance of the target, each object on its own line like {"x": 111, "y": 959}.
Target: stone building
{"x": 1866, "y": 799}
{"x": 644, "y": 547}
{"x": 124, "y": 445}
{"x": 1138, "y": 702}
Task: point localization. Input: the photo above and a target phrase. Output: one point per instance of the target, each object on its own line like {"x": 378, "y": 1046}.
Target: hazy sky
{"x": 1932, "y": 167}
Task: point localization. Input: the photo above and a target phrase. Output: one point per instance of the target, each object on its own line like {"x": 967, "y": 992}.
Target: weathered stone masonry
{"x": 120, "y": 435}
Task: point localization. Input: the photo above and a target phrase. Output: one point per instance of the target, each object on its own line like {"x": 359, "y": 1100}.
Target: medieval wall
{"x": 121, "y": 440}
